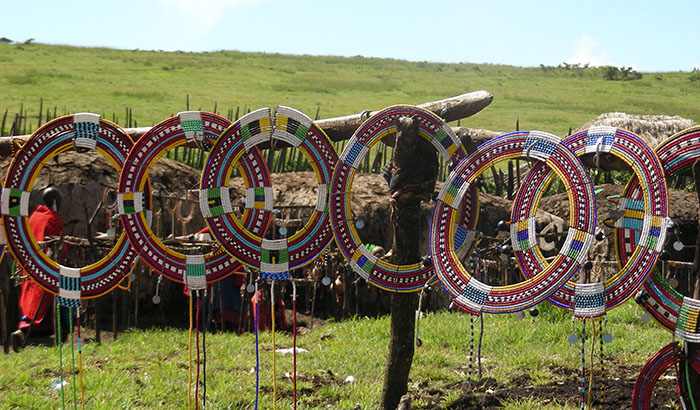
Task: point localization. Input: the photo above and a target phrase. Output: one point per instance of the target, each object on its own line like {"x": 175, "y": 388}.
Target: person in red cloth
{"x": 35, "y": 302}
{"x": 264, "y": 318}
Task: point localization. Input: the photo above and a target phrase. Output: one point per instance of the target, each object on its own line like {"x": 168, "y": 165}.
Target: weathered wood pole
{"x": 413, "y": 180}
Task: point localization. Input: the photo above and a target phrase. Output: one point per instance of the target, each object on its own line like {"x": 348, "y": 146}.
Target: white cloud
{"x": 194, "y": 20}
{"x": 586, "y": 51}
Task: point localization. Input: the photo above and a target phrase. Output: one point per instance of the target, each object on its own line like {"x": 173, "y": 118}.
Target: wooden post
{"x": 41, "y": 111}
{"x": 2, "y": 127}
{"x": 413, "y": 181}
{"x": 510, "y": 185}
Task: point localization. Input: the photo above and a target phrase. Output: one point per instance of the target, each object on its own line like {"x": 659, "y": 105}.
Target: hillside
{"x": 148, "y": 86}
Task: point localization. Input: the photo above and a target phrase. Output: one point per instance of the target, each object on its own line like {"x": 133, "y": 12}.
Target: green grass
{"x": 148, "y": 369}
{"x": 155, "y": 85}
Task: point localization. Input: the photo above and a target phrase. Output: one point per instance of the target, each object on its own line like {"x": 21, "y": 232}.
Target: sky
{"x": 649, "y": 36}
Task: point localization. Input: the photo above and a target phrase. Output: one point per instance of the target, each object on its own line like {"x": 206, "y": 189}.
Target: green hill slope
{"x": 155, "y": 85}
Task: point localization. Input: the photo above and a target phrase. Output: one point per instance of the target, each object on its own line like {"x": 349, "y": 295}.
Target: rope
{"x": 60, "y": 353}
{"x": 471, "y": 345}
{"x": 583, "y": 364}
{"x": 591, "y": 369}
{"x": 419, "y": 342}
{"x": 690, "y": 388}
{"x": 189, "y": 359}
{"x": 204, "y": 352}
{"x": 678, "y": 386}
{"x": 602, "y": 364}
{"x": 479, "y": 272}
{"x": 481, "y": 337}
{"x": 72, "y": 355}
{"x": 274, "y": 361}
{"x": 257, "y": 346}
{"x": 80, "y": 363}
{"x": 294, "y": 339}
{"x": 196, "y": 332}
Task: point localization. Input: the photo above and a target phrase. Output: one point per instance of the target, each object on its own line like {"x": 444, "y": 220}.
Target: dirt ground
{"x": 488, "y": 393}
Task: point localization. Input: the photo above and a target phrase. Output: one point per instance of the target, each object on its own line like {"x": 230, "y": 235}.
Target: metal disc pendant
{"x": 250, "y": 288}
{"x": 573, "y": 339}
{"x": 156, "y": 299}
{"x": 326, "y": 281}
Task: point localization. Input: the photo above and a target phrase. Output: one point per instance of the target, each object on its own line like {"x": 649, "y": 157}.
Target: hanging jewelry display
{"x": 474, "y": 296}
{"x": 379, "y": 272}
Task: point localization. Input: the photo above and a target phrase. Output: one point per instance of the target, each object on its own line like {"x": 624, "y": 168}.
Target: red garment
{"x": 264, "y": 320}
{"x": 43, "y": 222}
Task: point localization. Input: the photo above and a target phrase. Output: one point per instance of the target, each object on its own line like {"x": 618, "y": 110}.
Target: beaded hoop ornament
{"x": 385, "y": 275}
{"x": 83, "y": 131}
{"x": 470, "y": 294}
{"x": 594, "y": 299}
{"x": 274, "y": 258}
{"x": 669, "y": 356}
{"x": 201, "y": 128}
{"x": 675, "y": 312}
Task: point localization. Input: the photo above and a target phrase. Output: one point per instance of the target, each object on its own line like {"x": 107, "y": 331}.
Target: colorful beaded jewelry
{"x": 83, "y": 131}
{"x": 274, "y": 258}
{"x": 380, "y": 273}
{"x": 591, "y": 300}
{"x": 669, "y": 356}
{"x": 675, "y": 312}
{"x": 197, "y": 127}
{"x": 474, "y": 296}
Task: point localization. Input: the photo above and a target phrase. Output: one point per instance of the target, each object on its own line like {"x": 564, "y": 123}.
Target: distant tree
{"x": 694, "y": 75}
{"x": 28, "y": 41}
{"x": 5, "y": 40}
{"x": 610, "y": 73}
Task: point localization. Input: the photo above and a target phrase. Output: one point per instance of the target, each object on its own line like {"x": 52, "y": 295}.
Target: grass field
{"x": 148, "y": 369}
{"x": 155, "y": 85}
